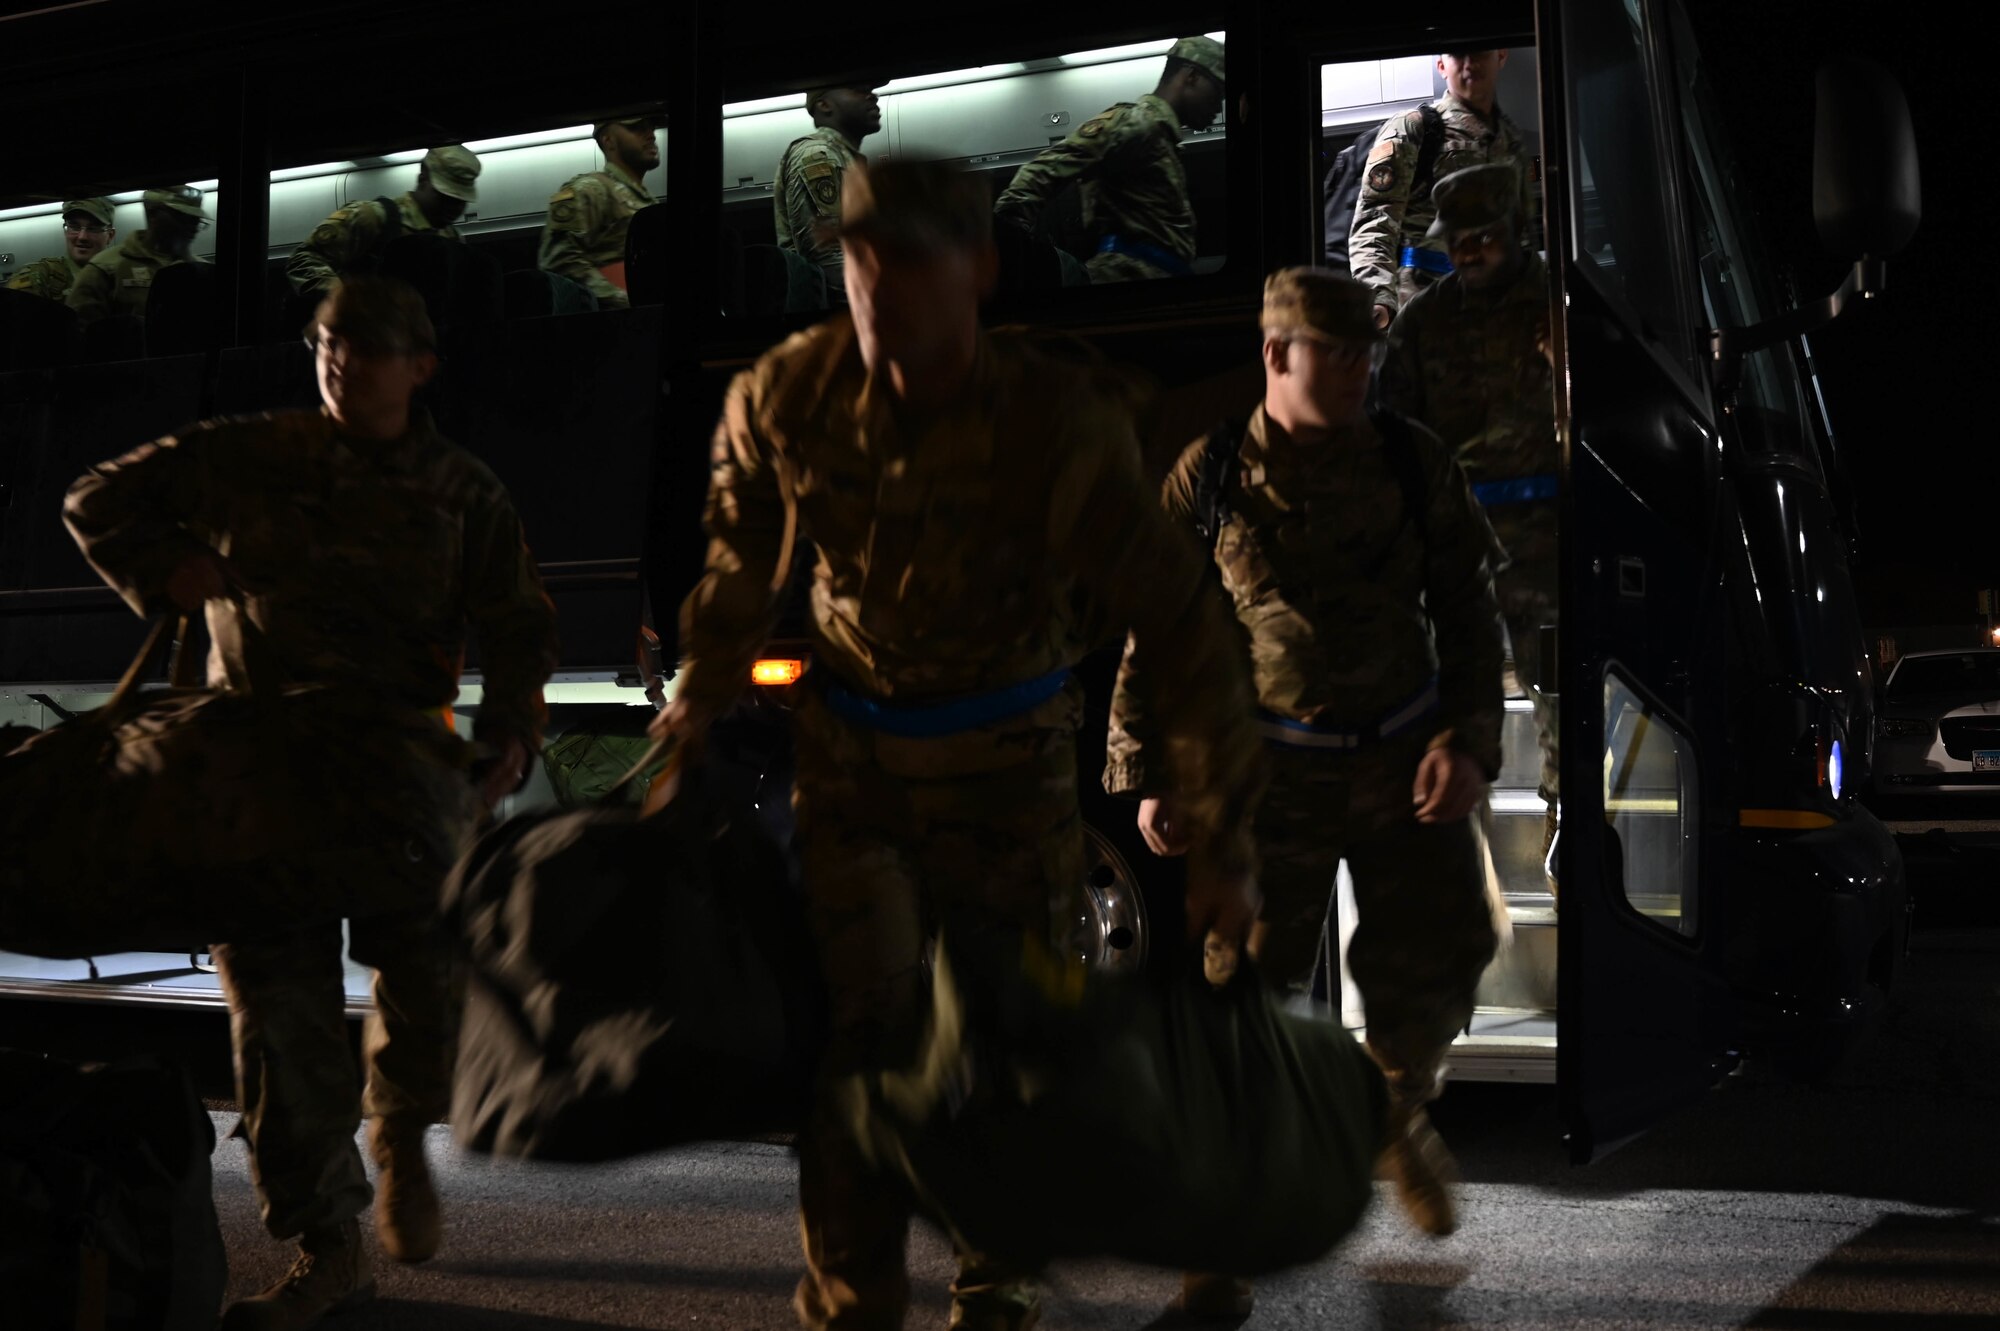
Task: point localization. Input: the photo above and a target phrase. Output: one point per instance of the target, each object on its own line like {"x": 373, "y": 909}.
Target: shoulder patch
{"x": 1382, "y": 176}
{"x": 817, "y": 168}
{"x": 825, "y": 189}
{"x": 1383, "y": 149}
{"x": 1102, "y": 121}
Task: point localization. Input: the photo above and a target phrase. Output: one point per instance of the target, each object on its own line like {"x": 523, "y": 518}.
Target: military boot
{"x": 407, "y": 1222}
{"x": 1415, "y": 1159}
{"x": 330, "y": 1276}
{"x": 1000, "y": 1305}
{"x": 1207, "y": 1297}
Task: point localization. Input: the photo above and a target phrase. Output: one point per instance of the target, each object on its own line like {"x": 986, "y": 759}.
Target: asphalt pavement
{"x": 1868, "y": 1203}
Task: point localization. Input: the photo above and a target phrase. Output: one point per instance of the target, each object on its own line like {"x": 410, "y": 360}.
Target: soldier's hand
{"x": 1448, "y": 786}
{"x": 1224, "y": 905}
{"x": 501, "y": 774}
{"x": 201, "y": 578}
{"x": 1160, "y": 825}
{"x": 1384, "y": 316}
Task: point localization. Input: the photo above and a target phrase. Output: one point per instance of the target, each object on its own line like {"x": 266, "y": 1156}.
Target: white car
{"x": 1937, "y": 730}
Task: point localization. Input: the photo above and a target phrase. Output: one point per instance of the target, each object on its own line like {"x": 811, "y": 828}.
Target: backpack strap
{"x": 1427, "y": 151}
{"x": 1399, "y": 450}
{"x": 1211, "y": 482}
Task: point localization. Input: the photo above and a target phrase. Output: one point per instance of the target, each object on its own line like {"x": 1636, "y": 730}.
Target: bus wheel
{"x": 1106, "y": 927}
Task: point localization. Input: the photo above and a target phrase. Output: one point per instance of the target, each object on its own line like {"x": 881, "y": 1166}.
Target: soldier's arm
{"x": 1375, "y": 244}
{"x": 1400, "y": 385}
{"x": 575, "y": 212}
{"x": 132, "y": 516}
{"x": 512, "y": 618}
{"x": 812, "y": 200}
{"x": 1134, "y": 736}
{"x": 320, "y": 259}
{"x": 731, "y": 611}
{"x": 1458, "y": 589}
{"x": 1114, "y": 537}
{"x": 1040, "y": 180}
{"x": 90, "y": 294}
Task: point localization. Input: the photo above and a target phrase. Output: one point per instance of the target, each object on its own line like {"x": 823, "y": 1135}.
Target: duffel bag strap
{"x": 164, "y": 631}
{"x": 660, "y": 749}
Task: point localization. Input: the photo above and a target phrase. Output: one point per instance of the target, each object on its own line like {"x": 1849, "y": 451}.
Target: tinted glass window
{"x": 1623, "y": 235}
{"x": 1098, "y": 171}
{"x": 1927, "y": 676}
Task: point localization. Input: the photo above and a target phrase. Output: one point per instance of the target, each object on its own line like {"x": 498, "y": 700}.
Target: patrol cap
{"x": 1204, "y": 53}
{"x": 925, "y": 205}
{"x": 644, "y": 122}
{"x": 100, "y": 209}
{"x": 1477, "y": 196}
{"x": 383, "y": 311}
{"x": 184, "y": 199}
{"x": 453, "y": 169}
{"x": 1319, "y": 303}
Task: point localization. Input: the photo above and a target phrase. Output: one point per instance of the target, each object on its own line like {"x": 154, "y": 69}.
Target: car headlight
{"x": 1905, "y": 727}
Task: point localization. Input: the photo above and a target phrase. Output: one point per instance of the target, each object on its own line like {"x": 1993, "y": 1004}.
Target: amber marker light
{"x": 777, "y": 672}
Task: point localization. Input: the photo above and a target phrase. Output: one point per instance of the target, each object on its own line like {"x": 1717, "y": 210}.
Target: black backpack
{"x": 1225, "y": 443}
{"x": 1341, "y": 191}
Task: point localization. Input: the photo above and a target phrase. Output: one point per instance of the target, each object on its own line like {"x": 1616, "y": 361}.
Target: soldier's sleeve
{"x": 575, "y": 212}
{"x": 1458, "y": 589}
{"x": 132, "y": 516}
{"x": 1040, "y": 180}
{"x": 319, "y": 260}
{"x": 1400, "y": 385}
{"x": 90, "y": 294}
{"x": 512, "y": 618}
{"x": 1118, "y": 542}
{"x": 28, "y": 279}
{"x": 812, "y": 198}
{"x": 1134, "y": 736}
{"x": 1375, "y": 244}
{"x": 727, "y": 617}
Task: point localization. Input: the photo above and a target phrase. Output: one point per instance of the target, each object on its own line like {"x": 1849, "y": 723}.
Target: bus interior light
{"x": 776, "y": 672}
{"x": 1834, "y": 764}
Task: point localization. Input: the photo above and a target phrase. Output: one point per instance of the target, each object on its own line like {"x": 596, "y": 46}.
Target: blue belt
{"x": 1138, "y": 249}
{"x": 1520, "y": 490}
{"x": 930, "y": 720}
{"x": 1304, "y": 735}
{"x": 1430, "y": 261}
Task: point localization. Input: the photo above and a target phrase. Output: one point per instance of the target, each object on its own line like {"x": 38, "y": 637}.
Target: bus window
{"x": 1738, "y": 283}
{"x": 1650, "y": 809}
{"x": 1098, "y": 171}
{"x": 331, "y": 218}
{"x": 1623, "y": 237}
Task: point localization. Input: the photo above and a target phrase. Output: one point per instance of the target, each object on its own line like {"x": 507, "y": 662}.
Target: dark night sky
{"x": 1908, "y": 378}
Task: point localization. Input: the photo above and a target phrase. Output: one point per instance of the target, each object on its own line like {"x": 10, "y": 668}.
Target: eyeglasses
{"x": 368, "y": 348}
{"x": 93, "y": 227}
{"x": 1349, "y": 355}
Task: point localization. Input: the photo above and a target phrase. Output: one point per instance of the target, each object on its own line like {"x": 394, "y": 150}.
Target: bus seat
{"x": 648, "y": 257}
{"x": 459, "y": 285}
{"x": 180, "y": 310}
{"x": 1027, "y": 263}
{"x": 805, "y": 283}
{"x": 532, "y": 293}
{"x": 36, "y": 333}
{"x": 729, "y": 272}
{"x": 766, "y": 280}
{"x": 114, "y": 337}
{"x": 1074, "y": 274}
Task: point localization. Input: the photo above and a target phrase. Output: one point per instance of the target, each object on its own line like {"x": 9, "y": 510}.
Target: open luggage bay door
{"x": 1645, "y": 1017}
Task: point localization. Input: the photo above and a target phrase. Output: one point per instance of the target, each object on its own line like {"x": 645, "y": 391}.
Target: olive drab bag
{"x": 635, "y": 981}
{"x": 1051, "y": 1113}
{"x": 169, "y": 819}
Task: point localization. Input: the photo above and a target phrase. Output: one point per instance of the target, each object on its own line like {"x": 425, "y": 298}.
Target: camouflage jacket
{"x": 1395, "y": 209}
{"x": 117, "y": 280}
{"x": 1329, "y": 643}
{"x": 998, "y": 540}
{"x": 808, "y": 194}
{"x": 365, "y": 560}
{"x": 352, "y": 240}
{"x": 49, "y": 278}
{"x": 588, "y": 219}
{"x": 1127, "y": 164}
{"x": 1466, "y": 364}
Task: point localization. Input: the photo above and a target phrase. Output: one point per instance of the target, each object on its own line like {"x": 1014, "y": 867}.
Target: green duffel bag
{"x": 169, "y": 819}
{"x": 1052, "y": 1114}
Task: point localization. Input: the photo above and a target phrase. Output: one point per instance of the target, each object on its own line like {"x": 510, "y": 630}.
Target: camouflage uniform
{"x": 973, "y": 550}
{"x": 118, "y": 279}
{"x": 352, "y": 239}
{"x": 585, "y": 233}
{"x": 1395, "y": 208}
{"x": 367, "y": 560}
{"x": 1466, "y": 363}
{"x": 808, "y": 198}
{"x": 51, "y": 278}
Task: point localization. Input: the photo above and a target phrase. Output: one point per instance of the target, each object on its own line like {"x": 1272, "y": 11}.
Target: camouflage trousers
{"x": 295, "y": 1076}
{"x": 1423, "y": 931}
{"x": 1527, "y": 589}
{"x": 899, "y": 838}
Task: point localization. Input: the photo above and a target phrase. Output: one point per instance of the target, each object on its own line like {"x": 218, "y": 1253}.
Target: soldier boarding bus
{"x": 1722, "y": 895}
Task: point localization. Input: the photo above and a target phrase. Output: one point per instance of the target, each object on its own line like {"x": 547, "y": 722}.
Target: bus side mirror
{"x": 1866, "y": 196}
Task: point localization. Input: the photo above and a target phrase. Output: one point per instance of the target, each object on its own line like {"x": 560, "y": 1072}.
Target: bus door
{"x": 1644, "y": 1013}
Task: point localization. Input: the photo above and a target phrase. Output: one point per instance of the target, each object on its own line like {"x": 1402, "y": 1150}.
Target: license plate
{"x": 1986, "y": 760}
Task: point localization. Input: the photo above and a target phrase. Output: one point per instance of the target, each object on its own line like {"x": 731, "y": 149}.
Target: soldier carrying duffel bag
{"x": 363, "y": 546}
